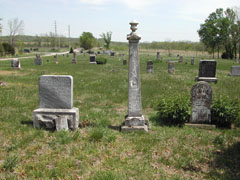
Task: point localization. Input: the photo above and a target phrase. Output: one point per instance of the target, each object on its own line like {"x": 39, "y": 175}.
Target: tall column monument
{"x": 134, "y": 120}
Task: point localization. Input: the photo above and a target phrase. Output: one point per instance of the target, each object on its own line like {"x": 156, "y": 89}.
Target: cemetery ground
{"x": 97, "y": 150}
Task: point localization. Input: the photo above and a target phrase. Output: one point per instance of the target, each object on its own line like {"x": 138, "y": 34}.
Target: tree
{"x": 107, "y": 38}
{"x": 38, "y": 40}
{"x": 20, "y": 47}
{"x": 220, "y": 29}
{"x": 8, "y": 48}
{"x": 1, "y": 49}
{"x": 87, "y": 40}
{"x": 15, "y": 28}
{"x": 237, "y": 13}
{"x": 209, "y": 32}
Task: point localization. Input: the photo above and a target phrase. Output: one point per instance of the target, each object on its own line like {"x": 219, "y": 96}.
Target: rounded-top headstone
{"x": 201, "y": 99}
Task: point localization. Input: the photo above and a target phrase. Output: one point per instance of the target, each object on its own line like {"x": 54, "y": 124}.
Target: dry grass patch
{"x": 14, "y": 72}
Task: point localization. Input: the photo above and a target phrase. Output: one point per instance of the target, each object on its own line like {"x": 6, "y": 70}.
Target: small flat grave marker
{"x": 235, "y": 71}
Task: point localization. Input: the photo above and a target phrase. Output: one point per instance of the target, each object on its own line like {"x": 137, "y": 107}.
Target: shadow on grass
{"x": 226, "y": 165}
{"x": 27, "y": 122}
{"x": 116, "y": 128}
{"x": 166, "y": 121}
{"x": 156, "y": 120}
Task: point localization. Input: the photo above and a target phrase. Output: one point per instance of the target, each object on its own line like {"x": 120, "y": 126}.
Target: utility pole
{"x": 56, "y": 35}
{"x": 55, "y": 26}
{"x": 69, "y": 45}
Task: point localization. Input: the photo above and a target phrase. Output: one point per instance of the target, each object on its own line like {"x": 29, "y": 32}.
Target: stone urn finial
{"x": 133, "y": 35}
{"x": 133, "y": 25}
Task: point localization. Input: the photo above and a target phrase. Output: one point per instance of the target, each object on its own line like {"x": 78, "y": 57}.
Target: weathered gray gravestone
{"x": 74, "y": 59}
{"x": 134, "y": 120}
{"x": 92, "y": 59}
{"x": 171, "y": 67}
{"x": 56, "y": 104}
{"x": 158, "y": 56}
{"x": 15, "y": 64}
{"x": 235, "y": 71}
{"x": 180, "y": 59}
{"x": 150, "y": 67}
{"x": 38, "y": 60}
{"x": 201, "y": 98}
{"x": 192, "y": 61}
{"x": 207, "y": 71}
{"x": 124, "y": 62}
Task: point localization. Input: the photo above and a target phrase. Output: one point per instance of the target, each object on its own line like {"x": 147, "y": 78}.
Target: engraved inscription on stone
{"x": 56, "y": 91}
{"x": 207, "y": 68}
{"x": 201, "y": 98}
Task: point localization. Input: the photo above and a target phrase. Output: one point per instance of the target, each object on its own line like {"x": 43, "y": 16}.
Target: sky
{"x": 159, "y": 20}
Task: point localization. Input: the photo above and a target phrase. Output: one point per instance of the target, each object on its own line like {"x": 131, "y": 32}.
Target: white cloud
{"x": 193, "y": 10}
{"x": 93, "y": 2}
{"x": 138, "y": 4}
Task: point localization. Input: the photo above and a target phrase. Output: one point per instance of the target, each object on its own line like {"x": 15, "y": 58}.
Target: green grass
{"x": 99, "y": 150}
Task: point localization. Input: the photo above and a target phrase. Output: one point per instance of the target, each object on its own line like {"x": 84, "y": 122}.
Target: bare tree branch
{"x": 15, "y": 28}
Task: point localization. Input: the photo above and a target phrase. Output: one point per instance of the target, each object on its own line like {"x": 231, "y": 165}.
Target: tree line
{"x": 221, "y": 32}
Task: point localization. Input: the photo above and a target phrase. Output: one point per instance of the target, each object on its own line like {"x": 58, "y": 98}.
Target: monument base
{"x": 59, "y": 119}
{"x": 204, "y": 126}
{"x": 135, "y": 124}
{"x": 206, "y": 79}
{"x": 93, "y": 62}
{"x": 233, "y": 74}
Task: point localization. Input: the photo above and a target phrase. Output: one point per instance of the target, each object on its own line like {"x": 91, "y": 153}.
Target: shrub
{"x": 87, "y": 40}
{"x": 1, "y": 49}
{"x": 174, "y": 111}
{"x": 8, "y": 49}
{"x": 101, "y": 60}
{"x": 224, "y": 112}
{"x": 71, "y": 50}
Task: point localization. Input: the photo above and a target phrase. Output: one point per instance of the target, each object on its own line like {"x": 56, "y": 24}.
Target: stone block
{"x": 92, "y": 59}
{"x": 38, "y": 60}
{"x": 207, "y": 71}
{"x": 15, "y": 64}
{"x": 235, "y": 71}
{"x": 150, "y": 67}
{"x": 59, "y": 119}
{"x": 171, "y": 67}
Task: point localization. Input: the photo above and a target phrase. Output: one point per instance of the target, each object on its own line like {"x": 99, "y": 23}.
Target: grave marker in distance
{"x": 207, "y": 71}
